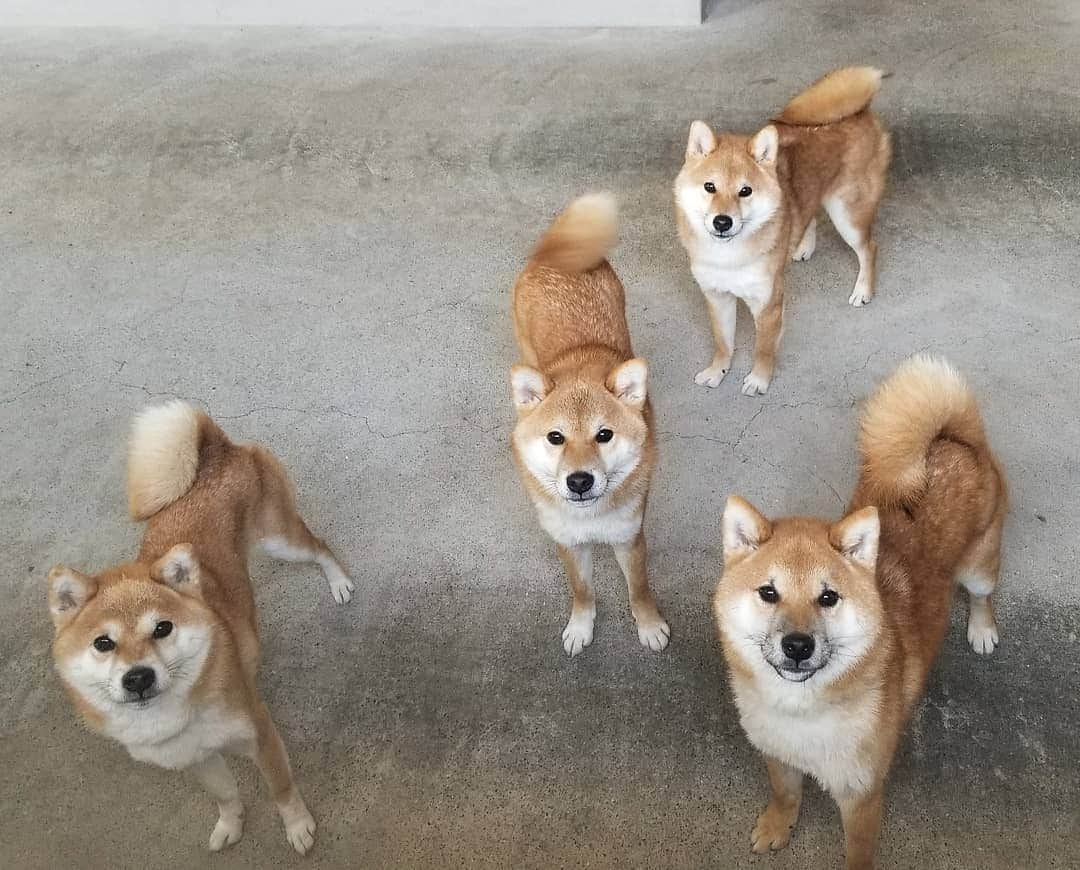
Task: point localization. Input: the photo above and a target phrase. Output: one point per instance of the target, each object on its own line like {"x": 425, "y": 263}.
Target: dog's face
{"x": 134, "y": 634}
{"x": 798, "y": 600}
{"x": 728, "y": 188}
{"x": 580, "y": 440}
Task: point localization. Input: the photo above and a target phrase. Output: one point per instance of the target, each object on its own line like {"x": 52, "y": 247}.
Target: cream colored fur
{"x": 163, "y": 457}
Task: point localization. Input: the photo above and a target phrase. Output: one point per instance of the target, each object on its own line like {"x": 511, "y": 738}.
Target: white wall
{"x": 334, "y": 13}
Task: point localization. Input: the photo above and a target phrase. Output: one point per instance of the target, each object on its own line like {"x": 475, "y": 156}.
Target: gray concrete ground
{"x": 314, "y": 234}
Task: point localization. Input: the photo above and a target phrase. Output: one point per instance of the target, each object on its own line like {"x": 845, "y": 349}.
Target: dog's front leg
{"x": 768, "y": 311}
{"x": 273, "y": 762}
{"x": 774, "y": 825}
{"x": 578, "y": 633}
{"x": 216, "y": 778}
{"x": 722, "y": 309}
{"x": 862, "y": 822}
{"x": 653, "y": 631}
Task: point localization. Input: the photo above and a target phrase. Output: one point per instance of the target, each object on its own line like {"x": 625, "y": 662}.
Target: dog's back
{"x": 568, "y": 296}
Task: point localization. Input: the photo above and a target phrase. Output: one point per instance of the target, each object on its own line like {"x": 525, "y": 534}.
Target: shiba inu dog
{"x": 830, "y": 629}
{"x": 160, "y": 653}
{"x": 583, "y": 440}
{"x": 745, "y": 204}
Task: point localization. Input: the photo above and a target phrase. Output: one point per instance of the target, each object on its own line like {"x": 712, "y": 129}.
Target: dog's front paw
{"x": 755, "y": 384}
{"x": 228, "y": 830}
{"x": 861, "y": 295}
{"x": 578, "y": 632}
{"x": 341, "y": 587}
{"x": 773, "y": 829}
{"x": 654, "y": 634}
{"x": 711, "y": 377}
{"x": 300, "y": 832}
{"x": 982, "y": 636}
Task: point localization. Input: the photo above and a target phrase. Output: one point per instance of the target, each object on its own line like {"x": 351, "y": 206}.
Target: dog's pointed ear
{"x": 856, "y": 537}
{"x": 628, "y": 381}
{"x": 69, "y": 591}
{"x": 179, "y": 569}
{"x": 529, "y": 387}
{"x": 765, "y": 145}
{"x": 743, "y": 528}
{"x": 702, "y": 141}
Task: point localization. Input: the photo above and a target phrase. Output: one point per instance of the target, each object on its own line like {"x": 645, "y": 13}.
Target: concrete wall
{"x": 336, "y": 13}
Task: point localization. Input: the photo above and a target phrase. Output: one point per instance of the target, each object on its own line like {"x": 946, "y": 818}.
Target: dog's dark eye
{"x": 604, "y": 436}
{"x": 828, "y": 598}
{"x": 104, "y": 644}
{"x": 768, "y": 594}
{"x": 745, "y": 190}
{"x": 162, "y": 629}
{"x": 710, "y": 187}
{"x": 556, "y": 437}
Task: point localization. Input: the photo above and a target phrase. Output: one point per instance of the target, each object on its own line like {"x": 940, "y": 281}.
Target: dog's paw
{"x": 341, "y": 587}
{"x": 654, "y": 634}
{"x": 754, "y": 384}
{"x": 861, "y": 295}
{"x": 773, "y": 829}
{"x": 228, "y": 830}
{"x": 710, "y": 377}
{"x": 300, "y": 832}
{"x": 805, "y": 250}
{"x": 983, "y": 636}
{"x": 578, "y": 632}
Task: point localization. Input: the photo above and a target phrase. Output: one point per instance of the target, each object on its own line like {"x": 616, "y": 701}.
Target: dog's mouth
{"x": 795, "y": 673}
{"x": 727, "y": 236}
{"x": 143, "y": 700}
{"x": 583, "y": 500}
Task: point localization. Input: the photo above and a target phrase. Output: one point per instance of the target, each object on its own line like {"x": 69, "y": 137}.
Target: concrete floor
{"x": 314, "y": 234}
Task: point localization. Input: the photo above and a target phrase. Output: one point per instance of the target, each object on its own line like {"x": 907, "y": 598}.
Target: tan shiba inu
{"x": 830, "y": 629}
{"x": 583, "y": 440}
{"x": 160, "y": 653}
{"x": 744, "y": 205}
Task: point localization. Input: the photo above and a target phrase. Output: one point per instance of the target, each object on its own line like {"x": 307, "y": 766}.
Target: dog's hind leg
{"x": 806, "y": 247}
{"x": 978, "y": 574}
{"x": 216, "y": 778}
{"x": 578, "y": 633}
{"x": 284, "y": 535}
{"x": 853, "y": 216}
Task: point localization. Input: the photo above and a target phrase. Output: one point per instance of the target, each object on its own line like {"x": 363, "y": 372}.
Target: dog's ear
{"x": 529, "y": 387}
{"x": 179, "y": 569}
{"x": 629, "y": 382}
{"x": 68, "y": 593}
{"x": 856, "y": 537}
{"x": 765, "y": 145}
{"x": 702, "y": 141}
{"x": 743, "y": 527}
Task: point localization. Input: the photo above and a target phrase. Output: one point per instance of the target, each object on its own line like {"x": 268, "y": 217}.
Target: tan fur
{"x": 893, "y": 564}
{"x": 792, "y": 170}
{"x": 192, "y": 570}
{"x": 838, "y": 95}
{"x": 579, "y": 376}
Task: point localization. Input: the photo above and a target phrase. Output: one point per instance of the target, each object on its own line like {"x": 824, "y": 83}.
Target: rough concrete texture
{"x": 314, "y": 235}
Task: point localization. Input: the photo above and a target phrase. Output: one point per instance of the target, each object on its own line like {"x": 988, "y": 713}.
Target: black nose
{"x": 722, "y": 223}
{"x": 579, "y": 482}
{"x": 798, "y": 646}
{"x": 138, "y": 679}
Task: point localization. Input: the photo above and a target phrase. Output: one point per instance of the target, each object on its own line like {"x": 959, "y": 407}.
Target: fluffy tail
{"x": 840, "y": 94}
{"x": 580, "y": 237}
{"x": 163, "y": 455}
{"x": 923, "y": 400}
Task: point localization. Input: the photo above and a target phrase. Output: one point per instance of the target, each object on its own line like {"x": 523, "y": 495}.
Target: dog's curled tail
{"x": 923, "y": 400}
{"x": 580, "y": 238}
{"x": 163, "y": 455}
{"x": 838, "y": 95}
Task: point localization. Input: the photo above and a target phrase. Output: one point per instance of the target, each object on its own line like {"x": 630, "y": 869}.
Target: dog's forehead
{"x": 130, "y": 601}
{"x": 583, "y": 402}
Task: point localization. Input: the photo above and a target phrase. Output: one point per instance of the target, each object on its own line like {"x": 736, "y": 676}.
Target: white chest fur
{"x": 573, "y": 526}
{"x": 751, "y": 281}
{"x": 175, "y": 735}
{"x": 807, "y": 732}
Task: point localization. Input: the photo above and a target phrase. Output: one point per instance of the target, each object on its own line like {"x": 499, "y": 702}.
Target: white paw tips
{"x": 225, "y": 833}
{"x": 654, "y": 635}
{"x": 342, "y": 589}
{"x": 710, "y": 377}
{"x": 578, "y": 633}
{"x": 754, "y": 385}
{"x": 983, "y": 637}
{"x": 860, "y": 296}
{"x": 301, "y": 833}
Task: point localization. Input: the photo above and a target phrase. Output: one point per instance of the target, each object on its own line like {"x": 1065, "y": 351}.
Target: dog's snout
{"x": 797, "y": 646}
{"x": 580, "y": 482}
{"x": 722, "y": 223}
{"x": 138, "y": 679}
